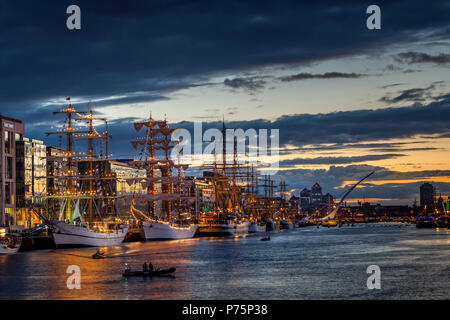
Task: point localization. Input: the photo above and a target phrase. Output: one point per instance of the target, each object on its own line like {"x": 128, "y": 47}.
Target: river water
{"x": 305, "y": 263}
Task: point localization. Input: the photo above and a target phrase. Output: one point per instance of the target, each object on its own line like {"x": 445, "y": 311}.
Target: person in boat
{"x": 150, "y": 266}
{"x": 126, "y": 268}
{"x": 145, "y": 267}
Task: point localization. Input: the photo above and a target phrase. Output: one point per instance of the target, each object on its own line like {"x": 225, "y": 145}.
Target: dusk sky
{"x": 347, "y": 100}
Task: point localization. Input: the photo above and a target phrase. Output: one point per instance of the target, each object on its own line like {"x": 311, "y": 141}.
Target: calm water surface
{"x": 307, "y": 263}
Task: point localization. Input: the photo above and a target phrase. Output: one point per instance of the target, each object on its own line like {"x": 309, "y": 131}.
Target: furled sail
{"x": 138, "y": 126}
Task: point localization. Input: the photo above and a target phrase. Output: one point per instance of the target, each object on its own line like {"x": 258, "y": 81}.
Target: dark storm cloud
{"x": 362, "y": 125}
{"x": 419, "y": 57}
{"x": 339, "y": 160}
{"x": 412, "y": 95}
{"x": 161, "y": 46}
{"x": 391, "y": 85}
{"x": 249, "y": 84}
{"x": 326, "y": 75}
{"x": 378, "y": 146}
{"x": 359, "y": 129}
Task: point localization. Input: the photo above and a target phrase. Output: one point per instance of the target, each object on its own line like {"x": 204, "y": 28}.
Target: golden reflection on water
{"x": 98, "y": 275}
{"x": 292, "y": 265}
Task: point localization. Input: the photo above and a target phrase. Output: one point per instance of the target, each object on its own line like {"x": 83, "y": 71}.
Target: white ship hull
{"x": 254, "y": 228}
{"x": 223, "y": 229}
{"x": 8, "y": 250}
{"x": 66, "y": 235}
{"x": 166, "y": 231}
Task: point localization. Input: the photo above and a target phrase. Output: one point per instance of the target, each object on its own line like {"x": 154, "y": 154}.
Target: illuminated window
{"x": 7, "y": 142}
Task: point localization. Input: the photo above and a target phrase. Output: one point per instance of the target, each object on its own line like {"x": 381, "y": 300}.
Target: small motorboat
{"x": 154, "y": 273}
{"x": 266, "y": 238}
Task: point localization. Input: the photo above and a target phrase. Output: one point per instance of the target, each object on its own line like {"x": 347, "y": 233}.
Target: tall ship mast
{"x": 168, "y": 199}
{"x": 83, "y": 193}
{"x": 228, "y": 182}
{"x": 261, "y": 206}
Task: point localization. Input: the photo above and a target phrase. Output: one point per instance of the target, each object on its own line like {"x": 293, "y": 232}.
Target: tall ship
{"x": 79, "y": 205}
{"x": 167, "y": 214}
{"x": 261, "y": 207}
{"x": 228, "y": 188}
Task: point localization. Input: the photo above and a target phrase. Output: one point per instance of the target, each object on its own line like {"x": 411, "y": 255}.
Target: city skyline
{"x": 356, "y": 101}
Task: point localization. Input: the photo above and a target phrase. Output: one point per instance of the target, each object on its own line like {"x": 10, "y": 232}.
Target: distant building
{"x": 427, "y": 195}
{"x": 328, "y": 199}
{"x": 294, "y": 202}
{"x": 12, "y": 130}
{"x": 31, "y": 171}
{"x": 314, "y": 198}
{"x": 123, "y": 172}
{"x": 203, "y": 190}
{"x": 305, "y": 198}
{"x": 55, "y": 169}
{"x": 316, "y": 194}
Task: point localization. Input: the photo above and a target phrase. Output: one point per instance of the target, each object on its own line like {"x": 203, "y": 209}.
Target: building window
{"x": 9, "y": 168}
{"x": 9, "y": 216}
{"x": 7, "y": 142}
{"x": 8, "y": 193}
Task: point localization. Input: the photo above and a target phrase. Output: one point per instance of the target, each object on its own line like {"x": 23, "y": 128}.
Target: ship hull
{"x": 425, "y": 223}
{"x": 223, "y": 229}
{"x": 5, "y": 250}
{"x": 271, "y": 226}
{"x": 164, "y": 231}
{"x": 330, "y": 224}
{"x": 66, "y": 236}
{"x": 255, "y": 228}
{"x": 286, "y": 225}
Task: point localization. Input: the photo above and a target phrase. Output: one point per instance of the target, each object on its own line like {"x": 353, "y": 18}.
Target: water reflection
{"x": 307, "y": 263}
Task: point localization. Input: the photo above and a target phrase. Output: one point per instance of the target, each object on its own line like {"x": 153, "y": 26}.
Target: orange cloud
{"x": 382, "y": 182}
{"x": 367, "y": 200}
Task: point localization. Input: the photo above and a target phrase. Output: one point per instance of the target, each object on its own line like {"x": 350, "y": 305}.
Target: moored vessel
{"x": 9, "y": 243}
{"x": 224, "y": 227}
{"x": 425, "y": 222}
{"x": 270, "y": 225}
{"x": 159, "y": 230}
{"x": 82, "y": 188}
{"x": 329, "y": 223}
{"x": 285, "y": 225}
{"x": 255, "y": 227}
{"x": 82, "y": 235}
{"x": 168, "y": 200}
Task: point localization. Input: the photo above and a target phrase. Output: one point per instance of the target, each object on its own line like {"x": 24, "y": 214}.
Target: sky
{"x": 347, "y": 100}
